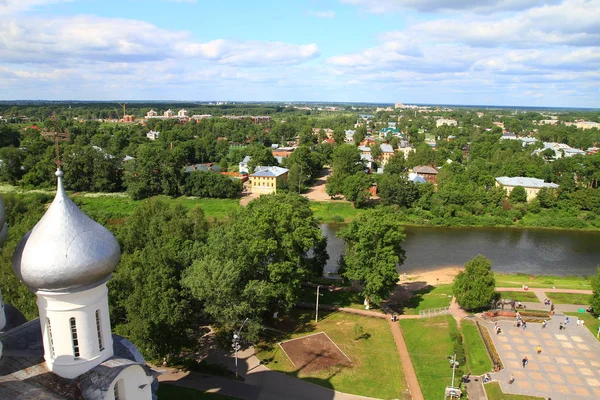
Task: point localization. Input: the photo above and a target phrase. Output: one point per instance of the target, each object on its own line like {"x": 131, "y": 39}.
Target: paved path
{"x": 568, "y": 367}
{"x": 260, "y": 382}
{"x": 407, "y": 366}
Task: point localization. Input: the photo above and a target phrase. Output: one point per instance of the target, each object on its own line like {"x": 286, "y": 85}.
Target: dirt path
{"x": 407, "y": 365}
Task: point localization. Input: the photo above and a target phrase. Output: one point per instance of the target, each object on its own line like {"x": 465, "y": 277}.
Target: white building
{"x": 67, "y": 260}
{"x": 532, "y": 185}
{"x": 151, "y": 114}
{"x": 183, "y": 113}
{"x": 560, "y": 150}
{"x": 168, "y": 113}
{"x": 243, "y": 165}
{"x": 446, "y": 121}
{"x": 152, "y": 135}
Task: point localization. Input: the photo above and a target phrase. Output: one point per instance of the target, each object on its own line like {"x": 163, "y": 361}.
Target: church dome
{"x": 66, "y": 251}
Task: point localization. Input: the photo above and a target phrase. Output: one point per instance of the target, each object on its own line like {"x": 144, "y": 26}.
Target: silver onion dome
{"x": 66, "y": 251}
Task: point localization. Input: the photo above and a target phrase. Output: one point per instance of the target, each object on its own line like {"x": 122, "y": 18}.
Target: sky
{"x": 472, "y": 52}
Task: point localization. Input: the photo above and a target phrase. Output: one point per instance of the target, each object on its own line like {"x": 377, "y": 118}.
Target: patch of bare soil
{"x": 314, "y": 353}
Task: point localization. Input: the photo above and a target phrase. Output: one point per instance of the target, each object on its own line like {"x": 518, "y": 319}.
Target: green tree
{"x": 595, "y": 300}
{"x": 359, "y": 135}
{"x": 518, "y": 195}
{"x": 148, "y": 305}
{"x": 396, "y": 189}
{"x": 355, "y": 188}
{"x": 254, "y": 264}
{"x": 396, "y": 165}
{"x": 373, "y": 253}
{"x": 475, "y": 286}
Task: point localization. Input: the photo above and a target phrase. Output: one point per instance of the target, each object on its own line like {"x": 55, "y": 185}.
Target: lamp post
{"x": 236, "y": 345}
{"x": 317, "y": 307}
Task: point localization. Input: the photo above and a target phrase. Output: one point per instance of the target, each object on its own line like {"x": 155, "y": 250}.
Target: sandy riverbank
{"x": 439, "y": 276}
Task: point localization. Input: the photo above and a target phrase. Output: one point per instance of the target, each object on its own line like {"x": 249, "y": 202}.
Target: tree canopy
{"x": 253, "y": 265}
{"x": 373, "y": 253}
{"x": 475, "y": 286}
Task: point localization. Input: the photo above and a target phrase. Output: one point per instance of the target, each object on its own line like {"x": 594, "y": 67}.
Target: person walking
{"x": 544, "y": 323}
{"x": 539, "y": 349}
{"x": 525, "y": 361}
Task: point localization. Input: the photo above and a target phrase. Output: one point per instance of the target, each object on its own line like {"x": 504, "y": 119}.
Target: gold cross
{"x": 57, "y": 162}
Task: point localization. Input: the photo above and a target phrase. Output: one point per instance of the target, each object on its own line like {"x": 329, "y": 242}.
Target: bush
{"x": 491, "y": 348}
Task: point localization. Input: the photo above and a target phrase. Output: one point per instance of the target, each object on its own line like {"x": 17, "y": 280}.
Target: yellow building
{"x": 266, "y": 180}
{"x": 531, "y": 185}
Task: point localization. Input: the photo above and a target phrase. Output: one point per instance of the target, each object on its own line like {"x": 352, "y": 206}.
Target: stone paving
{"x": 567, "y": 368}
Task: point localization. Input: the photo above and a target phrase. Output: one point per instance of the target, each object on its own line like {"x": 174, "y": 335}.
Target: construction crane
{"x": 124, "y": 105}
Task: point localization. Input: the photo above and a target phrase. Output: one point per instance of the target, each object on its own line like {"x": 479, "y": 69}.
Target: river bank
{"x": 446, "y": 275}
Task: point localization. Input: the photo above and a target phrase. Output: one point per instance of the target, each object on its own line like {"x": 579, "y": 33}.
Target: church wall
{"x": 133, "y": 384}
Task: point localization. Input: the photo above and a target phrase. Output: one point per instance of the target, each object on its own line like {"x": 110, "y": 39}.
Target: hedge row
{"x": 491, "y": 348}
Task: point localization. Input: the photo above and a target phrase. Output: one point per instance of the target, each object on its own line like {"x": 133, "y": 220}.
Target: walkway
{"x": 566, "y": 369}
{"x": 260, "y": 382}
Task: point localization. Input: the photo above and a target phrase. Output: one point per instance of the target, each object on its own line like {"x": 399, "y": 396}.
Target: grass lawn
{"x": 340, "y": 298}
{"x": 591, "y": 322}
{"x": 376, "y": 370}
{"x": 118, "y": 206}
{"x": 172, "y": 392}
{"x": 333, "y": 212}
{"x": 520, "y": 296}
{"x": 494, "y": 392}
{"x": 569, "y": 298}
{"x": 559, "y": 282}
{"x": 478, "y": 360}
{"x": 429, "y": 344}
{"x": 430, "y": 297}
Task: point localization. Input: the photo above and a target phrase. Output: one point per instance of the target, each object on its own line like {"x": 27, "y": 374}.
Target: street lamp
{"x": 317, "y": 307}
{"x": 236, "y": 345}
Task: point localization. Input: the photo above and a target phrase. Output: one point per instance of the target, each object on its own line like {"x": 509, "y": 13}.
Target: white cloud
{"x": 94, "y": 39}
{"x": 435, "y": 6}
{"x": 15, "y": 6}
{"x": 249, "y": 53}
{"x": 329, "y": 14}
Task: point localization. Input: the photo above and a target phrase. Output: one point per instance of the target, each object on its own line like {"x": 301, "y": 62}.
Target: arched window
{"x": 119, "y": 390}
{"x": 99, "y": 329}
{"x": 74, "y": 337}
{"x": 50, "y": 341}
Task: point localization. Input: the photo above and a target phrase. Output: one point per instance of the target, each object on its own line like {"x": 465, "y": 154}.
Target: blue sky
{"x": 502, "y": 52}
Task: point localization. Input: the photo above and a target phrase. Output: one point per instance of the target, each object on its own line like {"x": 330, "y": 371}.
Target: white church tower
{"x": 66, "y": 260}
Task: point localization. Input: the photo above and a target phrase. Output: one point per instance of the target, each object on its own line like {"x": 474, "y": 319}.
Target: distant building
{"x": 183, "y": 113}
{"x": 446, "y": 121}
{"x": 398, "y": 105}
{"x": 266, "y": 180}
{"x": 405, "y": 148}
{"x": 152, "y": 135}
{"x": 151, "y": 114}
{"x": 387, "y": 152}
{"x": 128, "y": 118}
{"x": 427, "y": 172}
{"x": 243, "y": 165}
{"x": 560, "y": 150}
{"x": 168, "y": 113}
{"x": 532, "y": 185}
{"x": 414, "y": 178}
{"x": 584, "y": 124}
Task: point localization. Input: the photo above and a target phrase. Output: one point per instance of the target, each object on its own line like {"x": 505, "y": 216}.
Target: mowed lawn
{"x": 520, "y": 296}
{"x": 478, "y": 360}
{"x": 115, "y": 207}
{"x": 494, "y": 392}
{"x": 173, "y": 392}
{"x": 376, "y": 370}
{"x": 570, "y": 298}
{"x": 326, "y": 211}
{"x": 429, "y": 344}
{"x": 558, "y": 282}
{"x": 338, "y": 298}
{"x": 431, "y": 297}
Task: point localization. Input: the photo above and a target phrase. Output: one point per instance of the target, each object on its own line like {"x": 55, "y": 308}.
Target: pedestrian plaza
{"x": 568, "y": 366}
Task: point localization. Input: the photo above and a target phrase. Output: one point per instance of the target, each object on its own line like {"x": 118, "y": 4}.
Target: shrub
{"x": 490, "y": 347}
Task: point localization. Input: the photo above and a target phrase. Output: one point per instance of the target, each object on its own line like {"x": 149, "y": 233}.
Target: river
{"x": 528, "y": 251}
